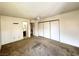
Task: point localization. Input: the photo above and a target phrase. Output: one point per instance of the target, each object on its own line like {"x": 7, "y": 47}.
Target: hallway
{"x": 38, "y": 46}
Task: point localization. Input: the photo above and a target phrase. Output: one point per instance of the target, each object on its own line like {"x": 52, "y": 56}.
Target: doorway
{"x": 24, "y": 29}
{"x": 32, "y": 29}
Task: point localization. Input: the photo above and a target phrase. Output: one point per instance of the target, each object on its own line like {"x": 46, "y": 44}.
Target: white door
{"x": 47, "y": 29}
{"x": 40, "y": 29}
{"x": 55, "y": 30}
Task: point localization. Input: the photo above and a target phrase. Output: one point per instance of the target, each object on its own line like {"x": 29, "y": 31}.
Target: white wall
{"x": 36, "y": 28}
{"x": 12, "y": 32}
{"x": 41, "y": 29}
{"x": 69, "y": 27}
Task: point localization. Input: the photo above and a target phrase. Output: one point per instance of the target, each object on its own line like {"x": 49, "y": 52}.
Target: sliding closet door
{"x": 40, "y": 29}
{"x": 47, "y": 29}
{"x": 55, "y": 30}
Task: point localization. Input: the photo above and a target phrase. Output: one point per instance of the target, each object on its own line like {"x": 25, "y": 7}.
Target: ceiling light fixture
{"x": 38, "y": 18}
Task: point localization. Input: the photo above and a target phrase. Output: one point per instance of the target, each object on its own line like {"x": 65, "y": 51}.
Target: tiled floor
{"x": 38, "y": 46}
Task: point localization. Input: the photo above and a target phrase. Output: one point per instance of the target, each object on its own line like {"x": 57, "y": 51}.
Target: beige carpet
{"x": 38, "y": 46}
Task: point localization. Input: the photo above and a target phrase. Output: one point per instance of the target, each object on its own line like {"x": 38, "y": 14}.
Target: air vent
{"x": 15, "y": 23}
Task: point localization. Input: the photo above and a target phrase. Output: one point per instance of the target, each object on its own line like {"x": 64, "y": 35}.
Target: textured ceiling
{"x": 32, "y": 10}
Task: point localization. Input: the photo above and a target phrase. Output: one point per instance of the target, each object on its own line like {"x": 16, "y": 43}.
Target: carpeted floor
{"x": 38, "y": 46}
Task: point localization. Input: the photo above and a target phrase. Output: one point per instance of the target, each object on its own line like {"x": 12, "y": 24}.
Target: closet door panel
{"x": 55, "y": 30}
{"x": 47, "y": 29}
{"x": 40, "y": 29}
